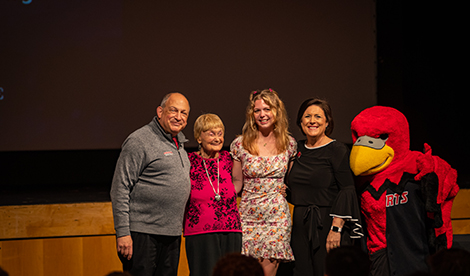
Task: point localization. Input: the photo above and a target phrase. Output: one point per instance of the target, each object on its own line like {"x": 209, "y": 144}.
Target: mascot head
{"x": 381, "y": 137}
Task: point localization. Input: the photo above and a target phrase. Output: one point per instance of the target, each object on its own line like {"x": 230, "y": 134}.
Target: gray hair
{"x": 166, "y": 97}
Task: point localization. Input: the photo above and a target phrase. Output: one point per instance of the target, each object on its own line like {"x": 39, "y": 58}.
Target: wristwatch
{"x": 336, "y": 229}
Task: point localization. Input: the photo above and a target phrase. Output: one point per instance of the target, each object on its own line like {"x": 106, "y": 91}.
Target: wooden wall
{"x": 78, "y": 239}
{"x": 461, "y": 213}
{"x": 61, "y": 239}
{"x": 75, "y": 256}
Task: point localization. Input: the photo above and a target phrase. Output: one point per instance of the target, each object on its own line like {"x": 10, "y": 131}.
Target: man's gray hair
{"x": 165, "y": 99}
{"x": 167, "y": 96}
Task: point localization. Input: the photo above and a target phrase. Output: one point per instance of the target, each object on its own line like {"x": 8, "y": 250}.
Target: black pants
{"x": 379, "y": 263}
{"x": 153, "y": 255}
{"x": 203, "y": 251}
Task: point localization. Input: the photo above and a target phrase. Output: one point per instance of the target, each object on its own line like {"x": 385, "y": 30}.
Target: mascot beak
{"x": 370, "y": 155}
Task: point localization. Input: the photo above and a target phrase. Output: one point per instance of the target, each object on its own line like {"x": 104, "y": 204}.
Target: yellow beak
{"x": 366, "y": 160}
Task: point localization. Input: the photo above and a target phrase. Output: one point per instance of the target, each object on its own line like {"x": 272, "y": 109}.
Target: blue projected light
{"x": 1, "y": 93}
{"x": 26, "y": 2}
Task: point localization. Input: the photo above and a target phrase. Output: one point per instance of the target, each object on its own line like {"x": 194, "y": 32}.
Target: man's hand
{"x": 124, "y": 246}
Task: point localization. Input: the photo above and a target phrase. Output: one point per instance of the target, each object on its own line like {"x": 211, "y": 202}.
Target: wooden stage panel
{"x": 78, "y": 239}
{"x": 63, "y": 256}
{"x": 56, "y": 220}
{"x": 461, "y": 213}
{"x": 76, "y": 256}
{"x": 71, "y": 256}
{"x": 22, "y": 257}
{"x": 61, "y": 239}
{"x": 106, "y": 261}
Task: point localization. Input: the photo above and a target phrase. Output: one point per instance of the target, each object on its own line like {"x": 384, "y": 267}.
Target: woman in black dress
{"x": 321, "y": 188}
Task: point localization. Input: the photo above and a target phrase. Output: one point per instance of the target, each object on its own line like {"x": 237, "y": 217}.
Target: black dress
{"x": 321, "y": 186}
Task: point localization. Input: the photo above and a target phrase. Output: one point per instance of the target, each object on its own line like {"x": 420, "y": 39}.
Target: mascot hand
{"x": 425, "y": 162}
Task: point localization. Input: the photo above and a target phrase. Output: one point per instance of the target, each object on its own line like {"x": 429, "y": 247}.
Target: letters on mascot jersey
{"x": 406, "y": 196}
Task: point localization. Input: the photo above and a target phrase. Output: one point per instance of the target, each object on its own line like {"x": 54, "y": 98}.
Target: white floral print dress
{"x": 264, "y": 212}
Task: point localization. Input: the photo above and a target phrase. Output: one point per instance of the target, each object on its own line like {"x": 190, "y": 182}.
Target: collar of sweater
{"x": 159, "y": 130}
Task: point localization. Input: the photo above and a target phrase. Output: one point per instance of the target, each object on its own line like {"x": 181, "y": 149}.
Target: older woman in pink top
{"x": 212, "y": 222}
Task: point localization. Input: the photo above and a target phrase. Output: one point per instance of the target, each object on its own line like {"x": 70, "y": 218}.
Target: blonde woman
{"x": 261, "y": 156}
{"x": 212, "y": 221}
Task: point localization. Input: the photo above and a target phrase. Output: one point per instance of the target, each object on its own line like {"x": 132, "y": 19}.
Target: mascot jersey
{"x": 406, "y": 196}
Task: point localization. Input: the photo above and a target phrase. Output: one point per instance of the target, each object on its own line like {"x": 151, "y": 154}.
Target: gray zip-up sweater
{"x": 151, "y": 183}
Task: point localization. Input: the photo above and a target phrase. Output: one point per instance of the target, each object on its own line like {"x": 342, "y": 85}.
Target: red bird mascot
{"x": 406, "y": 196}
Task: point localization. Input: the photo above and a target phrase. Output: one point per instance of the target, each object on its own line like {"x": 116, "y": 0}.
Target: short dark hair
{"x": 119, "y": 273}
{"x": 347, "y": 260}
{"x": 452, "y": 261}
{"x": 3, "y": 272}
{"x": 235, "y": 264}
{"x": 323, "y": 104}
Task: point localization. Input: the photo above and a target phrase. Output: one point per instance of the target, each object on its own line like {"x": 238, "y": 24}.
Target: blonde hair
{"x": 281, "y": 124}
{"x": 206, "y": 122}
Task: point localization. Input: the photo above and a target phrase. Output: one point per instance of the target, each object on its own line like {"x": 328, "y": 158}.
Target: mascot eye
{"x": 383, "y": 136}
{"x": 371, "y": 142}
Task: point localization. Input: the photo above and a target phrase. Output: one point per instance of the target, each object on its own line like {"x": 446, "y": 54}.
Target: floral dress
{"x": 265, "y": 215}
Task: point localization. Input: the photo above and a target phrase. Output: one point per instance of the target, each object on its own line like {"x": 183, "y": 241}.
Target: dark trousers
{"x": 153, "y": 255}
{"x": 379, "y": 262}
{"x": 203, "y": 251}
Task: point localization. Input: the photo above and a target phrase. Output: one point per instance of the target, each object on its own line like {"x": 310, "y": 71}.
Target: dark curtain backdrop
{"x": 421, "y": 73}
{"x": 82, "y": 75}
{"x": 76, "y": 77}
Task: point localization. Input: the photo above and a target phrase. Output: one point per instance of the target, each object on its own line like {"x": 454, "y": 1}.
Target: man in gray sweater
{"x": 149, "y": 192}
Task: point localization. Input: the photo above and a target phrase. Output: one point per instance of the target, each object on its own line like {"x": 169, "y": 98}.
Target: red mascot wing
{"x": 447, "y": 190}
